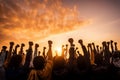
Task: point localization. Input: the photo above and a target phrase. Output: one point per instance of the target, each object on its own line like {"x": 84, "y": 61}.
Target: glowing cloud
{"x": 22, "y": 20}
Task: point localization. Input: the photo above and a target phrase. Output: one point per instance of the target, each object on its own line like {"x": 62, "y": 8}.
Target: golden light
{"x": 58, "y": 51}
{"x": 35, "y": 20}
{"x": 38, "y": 22}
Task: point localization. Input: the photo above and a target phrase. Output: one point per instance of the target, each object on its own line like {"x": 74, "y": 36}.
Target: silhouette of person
{"x": 85, "y": 52}
{"x": 59, "y": 68}
{"x": 14, "y": 68}
{"x": 3, "y": 55}
{"x": 42, "y": 69}
{"x": 15, "y": 51}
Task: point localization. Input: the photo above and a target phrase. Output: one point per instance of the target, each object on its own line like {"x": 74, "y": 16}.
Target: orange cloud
{"x": 36, "y": 19}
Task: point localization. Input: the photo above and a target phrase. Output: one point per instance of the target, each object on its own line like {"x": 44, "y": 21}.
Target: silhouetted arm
{"x": 15, "y": 51}
{"x": 84, "y": 49}
{"x": 71, "y": 50}
{"x": 66, "y": 51}
{"x": 3, "y": 54}
{"x": 39, "y": 53}
{"x": 21, "y": 49}
{"x": 88, "y": 48}
{"x": 44, "y": 52}
{"x": 9, "y": 54}
{"x": 116, "y": 48}
{"x": 63, "y": 50}
{"x": 94, "y": 49}
{"x": 112, "y": 46}
{"x": 28, "y": 55}
{"x": 50, "y": 50}
{"x": 107, "y": 53}
{"x": 86, "y": 54}
{"x": 76, "y": 51}
{"x": 98, "y": 51}
{"x": 92, "y": 57}
{"x": 36, "y": 49}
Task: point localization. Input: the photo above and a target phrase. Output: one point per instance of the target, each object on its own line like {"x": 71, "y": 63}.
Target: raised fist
{"x": 108, "y": 42}
{"x": 93, "y": 43}
{"x": 70, "y": 40}
{"x": 89, "y": 44}
{"x": 30, "y": 43}
{"x": 104, "y": 43}
{"x": 11, "y": 43}
{"x": 36, "y": 45}
{"x": 44, "y": 47}
{"x": 115, "y": 43}
{"x": 97, "y": 46}
{"x": 111, "y": 41}
{"x": 22, "y": 44}
{"x": 80, "y": 41}
{"x": 17, "y": 45}
{"x": 49, "y": 42}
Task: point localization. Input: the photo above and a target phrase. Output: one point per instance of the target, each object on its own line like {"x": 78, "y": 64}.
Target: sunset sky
{"x": 57, "y": 20}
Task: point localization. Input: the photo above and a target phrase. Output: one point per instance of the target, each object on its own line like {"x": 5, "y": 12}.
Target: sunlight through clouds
{"x": 36, "y": 19}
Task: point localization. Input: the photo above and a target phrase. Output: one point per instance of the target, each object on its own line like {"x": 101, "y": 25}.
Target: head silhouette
{"x": 4, "y": 47}
{"x": 38, "y": 62}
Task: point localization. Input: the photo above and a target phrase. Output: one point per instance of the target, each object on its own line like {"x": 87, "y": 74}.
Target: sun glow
{"x": 58, "y": 51}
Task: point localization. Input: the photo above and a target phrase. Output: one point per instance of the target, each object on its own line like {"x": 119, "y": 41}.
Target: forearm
{"x": 49, "y": 55}
{"x": 28, "y": 58}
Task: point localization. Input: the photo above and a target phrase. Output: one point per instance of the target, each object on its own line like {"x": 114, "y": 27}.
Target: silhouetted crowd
{"x": 95, "y": 63}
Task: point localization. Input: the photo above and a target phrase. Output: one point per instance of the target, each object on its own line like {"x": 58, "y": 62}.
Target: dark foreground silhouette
{"x": 96, "y": 63}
